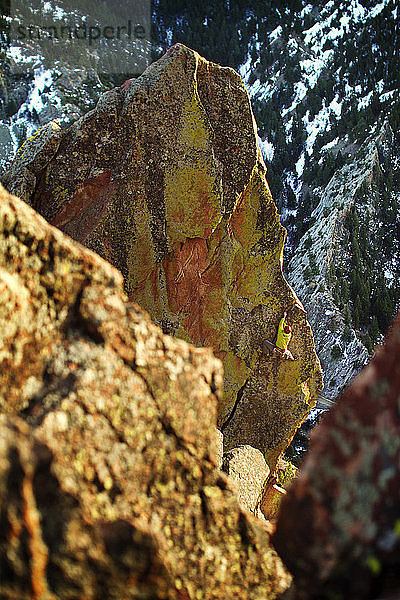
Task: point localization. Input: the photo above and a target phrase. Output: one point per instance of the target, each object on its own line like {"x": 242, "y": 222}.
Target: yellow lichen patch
{"x": 216, "y": 319}
{"x": 147, "y": 293}
{"x": 61, "y": 195}
{"x": 140, "y": 259}
{"x": 192, "y": 201}
{"x": 288, "y": 382}
{"x": 23, "y": 148}
{"x": 252, "y": 280}
{"x": 236, "y": 372}
{"x": 183, "y": 334}
{"x": 192, "y": 187}
{"x": 196, "y": 131}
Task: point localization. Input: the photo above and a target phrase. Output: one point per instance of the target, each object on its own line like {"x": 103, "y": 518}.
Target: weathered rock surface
{"x": 47, "y": 547}
{"x": 271, "y": 501}
{"x": 246, "y": 466}
{"x": 165, "y": 180}
{"x": 339, "y": 528}
{"x": 220, "y": 447}
{"x": 109, "y": 486}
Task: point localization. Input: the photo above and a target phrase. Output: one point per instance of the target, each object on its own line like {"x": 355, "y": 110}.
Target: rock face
{"x": 165, "y": 180}
{"x": 271, "y": 501}
{"x": 246, "y": 466}
{"x": 47, "y": 547}
{"x": 108, "y": 479}
{"x": 339, "y": 529}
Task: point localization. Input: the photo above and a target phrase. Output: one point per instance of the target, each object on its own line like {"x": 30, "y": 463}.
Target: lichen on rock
{"x": 165, "y": 180}
{"x": 109, "y": 484}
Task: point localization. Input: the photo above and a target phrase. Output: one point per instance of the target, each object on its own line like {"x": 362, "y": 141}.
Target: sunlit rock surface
{"x": 165, "y": 180}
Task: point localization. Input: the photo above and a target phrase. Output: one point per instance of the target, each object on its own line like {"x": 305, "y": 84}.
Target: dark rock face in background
{"x": 165, "y": 180}
{"x": 108, "y": 478}
{"x": 339, "y": 528}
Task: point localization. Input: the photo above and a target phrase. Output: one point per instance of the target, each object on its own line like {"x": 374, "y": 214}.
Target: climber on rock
{"x": 282, "y": 340}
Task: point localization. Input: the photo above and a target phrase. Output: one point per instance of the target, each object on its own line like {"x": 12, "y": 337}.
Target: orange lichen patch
{"x": 38, "y": 549}
{"x": 221, "y": 354}
{"x": 243, "y": 221}
{"x": 190, "y": 287}
{"x": 87, "y": 206}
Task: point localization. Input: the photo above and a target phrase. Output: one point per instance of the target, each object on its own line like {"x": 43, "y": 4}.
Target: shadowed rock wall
{"x": 165, "y": 180}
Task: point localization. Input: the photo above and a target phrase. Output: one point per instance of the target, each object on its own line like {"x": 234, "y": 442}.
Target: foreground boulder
{"x": 108, "y": 479}
{"x": 47, "y": 547}
{"x": 165, "y": 180}
{"x": 339, "y": 527}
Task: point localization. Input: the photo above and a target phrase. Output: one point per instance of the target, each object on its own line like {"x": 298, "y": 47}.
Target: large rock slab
{"x": 109, "y": 485}
{"x": 339, "y": 528}
{"x": 165, "y": 180}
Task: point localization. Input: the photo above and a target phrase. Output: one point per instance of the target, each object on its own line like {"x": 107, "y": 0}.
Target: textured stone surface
{"x": 47, "y": 547}
{"x": 109, "y": 486}
{"x": 246, "y": 466}
{"x": 220, "y": 447}
{"x": 165, "y": 180}
{"x": 271, "y": 501}
{"x": 339, "y": 529}
{"x": 286, "y": 473}
{"x": 34, "y": 154}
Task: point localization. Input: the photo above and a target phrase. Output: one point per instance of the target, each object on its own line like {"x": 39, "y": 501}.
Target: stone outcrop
{"x": 165, "y": 180}
{"x": 247, "y": 468}
{"x": 47, "y": 547}
{"x": 108, "y": 479}
{"x": 339, "y": 527}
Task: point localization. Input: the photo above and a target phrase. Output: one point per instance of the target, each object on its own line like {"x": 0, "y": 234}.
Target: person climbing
{"x": 283, "y": 338}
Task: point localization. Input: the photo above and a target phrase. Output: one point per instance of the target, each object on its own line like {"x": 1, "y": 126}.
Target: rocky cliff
{"x": 345, "y": 267}
{"x": 108, "y": 479}
{"x": 165, "y": 180}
